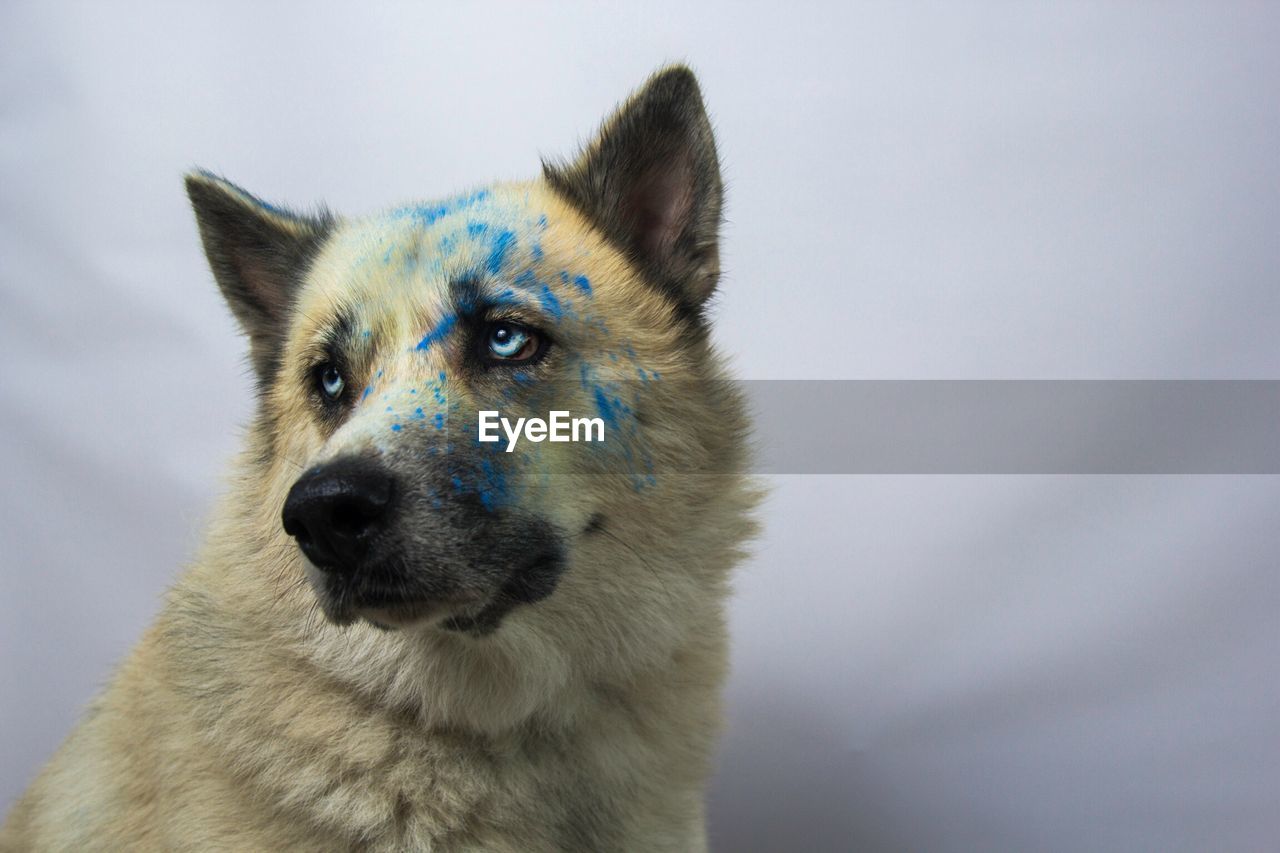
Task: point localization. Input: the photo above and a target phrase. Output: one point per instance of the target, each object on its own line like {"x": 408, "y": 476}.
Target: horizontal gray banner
{"x": 1016, "y": 427}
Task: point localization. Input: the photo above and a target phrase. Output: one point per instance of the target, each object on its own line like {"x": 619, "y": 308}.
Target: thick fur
{"x": 583, "y": 718}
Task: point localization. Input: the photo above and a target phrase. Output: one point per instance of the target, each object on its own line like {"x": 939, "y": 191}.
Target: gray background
{"x": 960, "y": 190}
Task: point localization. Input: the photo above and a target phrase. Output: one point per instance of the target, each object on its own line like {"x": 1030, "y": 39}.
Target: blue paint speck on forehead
{"x": 428, "y": 214}
{"x": 550, "y": 302}
{"x": 502, "y": 245}
{"x": 442, "y": 329}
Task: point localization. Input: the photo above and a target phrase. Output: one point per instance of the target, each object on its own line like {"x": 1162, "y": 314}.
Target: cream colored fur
{"x": 244, "y": 721}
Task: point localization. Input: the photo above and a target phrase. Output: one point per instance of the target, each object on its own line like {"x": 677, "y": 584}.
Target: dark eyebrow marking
{"x": 471, "y": 298}
{"x": 339, "y": 334}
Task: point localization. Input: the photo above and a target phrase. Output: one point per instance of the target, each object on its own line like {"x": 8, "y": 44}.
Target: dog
{"x": 397, "y": 636}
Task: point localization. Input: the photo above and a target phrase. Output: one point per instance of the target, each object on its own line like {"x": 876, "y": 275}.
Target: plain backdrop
{"x": 916, "y": 190}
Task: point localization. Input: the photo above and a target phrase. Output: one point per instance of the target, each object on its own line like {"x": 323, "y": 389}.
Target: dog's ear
{"x": 651, "y": 182}
{"x": 258, "y": 254}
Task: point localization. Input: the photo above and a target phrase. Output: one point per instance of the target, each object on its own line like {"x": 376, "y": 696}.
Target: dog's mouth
{"x": 402, "y": 599}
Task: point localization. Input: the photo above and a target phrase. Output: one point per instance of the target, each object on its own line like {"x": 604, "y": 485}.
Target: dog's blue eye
{"x": 509, "y": 342}
{"x": 331, "y": 382}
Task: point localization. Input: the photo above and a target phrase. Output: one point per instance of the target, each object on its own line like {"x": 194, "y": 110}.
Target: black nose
{"x": 336, "y": 511}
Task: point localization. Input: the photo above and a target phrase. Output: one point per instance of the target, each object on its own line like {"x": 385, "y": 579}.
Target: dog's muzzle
{"x": 385, "y": 547}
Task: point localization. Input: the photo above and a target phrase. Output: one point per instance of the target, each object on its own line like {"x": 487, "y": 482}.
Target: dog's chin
{"x": 398, "y": 617}
{"x": 342, "y": 607}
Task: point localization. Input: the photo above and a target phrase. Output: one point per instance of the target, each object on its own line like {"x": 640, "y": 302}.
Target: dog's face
{"x": 378, "y": 342}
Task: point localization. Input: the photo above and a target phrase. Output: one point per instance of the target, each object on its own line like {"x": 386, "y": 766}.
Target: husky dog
{"x": 397, "y": 636}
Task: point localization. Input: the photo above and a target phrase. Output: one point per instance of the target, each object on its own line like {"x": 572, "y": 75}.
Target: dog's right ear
{"x": 259, "y": 254}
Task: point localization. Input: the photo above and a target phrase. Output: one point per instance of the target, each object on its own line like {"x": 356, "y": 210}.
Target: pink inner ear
{"x": 658, "y": 206}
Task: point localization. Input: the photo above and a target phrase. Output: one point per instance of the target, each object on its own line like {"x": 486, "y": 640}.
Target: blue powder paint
{"x": 396, "y": 427}
{"x": 439, "y": 420}
{"x": 583, "y": 283}
{"x": 418, "y": 413}
{"x": 428, "y": 214}
{"x": 475, "y": 229}
{"x": 550, "y": 302}
{"x": 494, "y": 485}
{"x": 442, "y": 328}
{"x": 368, "y": 389}
{"x": 606, "y": 411}
{"x": 542, "y": 221}
{"x": 502, "y": 244}
{"x": 366, "y": 333}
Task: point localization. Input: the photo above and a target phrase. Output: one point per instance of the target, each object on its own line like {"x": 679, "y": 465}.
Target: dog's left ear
{"x": 258, "y": 254}
{"x": 651, "y": 182}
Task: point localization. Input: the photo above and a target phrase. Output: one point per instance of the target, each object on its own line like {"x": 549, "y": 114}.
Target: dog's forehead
{"x": 414, "y": 250}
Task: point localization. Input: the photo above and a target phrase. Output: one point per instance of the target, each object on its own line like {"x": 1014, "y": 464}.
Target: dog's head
{"x": 377, "y": 343}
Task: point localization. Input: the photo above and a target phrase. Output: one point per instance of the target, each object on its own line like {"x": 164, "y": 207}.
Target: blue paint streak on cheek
{"x": 493, "y": 485}
{"x": 439, "y": 332}
{"x": 583, "y": 283}
{"x": 605, "y": 409}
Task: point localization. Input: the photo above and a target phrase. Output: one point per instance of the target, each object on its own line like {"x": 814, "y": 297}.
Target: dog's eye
{"x": 331, "y": 381}
{"x": 510, "y": 342}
